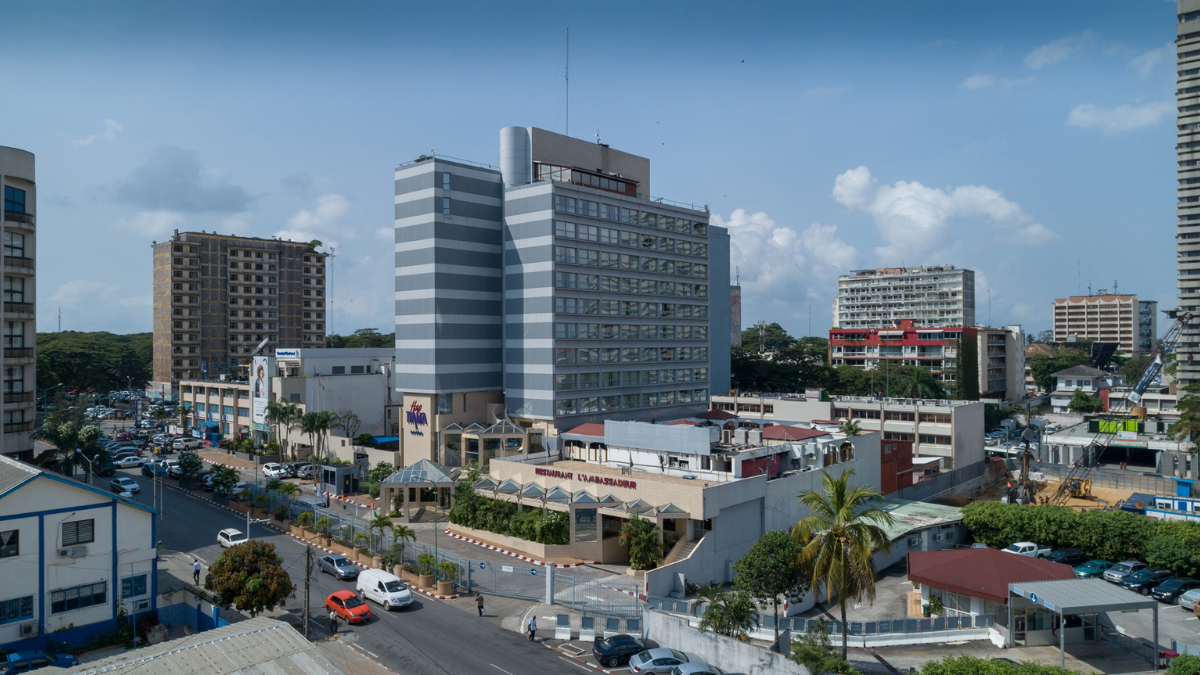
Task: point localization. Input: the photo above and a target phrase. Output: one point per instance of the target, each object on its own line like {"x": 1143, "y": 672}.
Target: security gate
{"x": 514, "y": 581}
{"x": 611, "y": 595}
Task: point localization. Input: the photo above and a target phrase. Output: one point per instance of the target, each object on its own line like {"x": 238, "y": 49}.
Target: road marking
{"x": 373, "y": 654}
{"x": 499, "y": 669}
{"x": 574, "y": 663}
{"x": 199, "y": 558}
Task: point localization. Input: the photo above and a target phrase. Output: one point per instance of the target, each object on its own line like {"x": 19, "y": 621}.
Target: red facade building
{"x": 934, "y": 349}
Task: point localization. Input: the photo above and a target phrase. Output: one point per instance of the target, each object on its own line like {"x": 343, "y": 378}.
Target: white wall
{"x": 725, "y": 653}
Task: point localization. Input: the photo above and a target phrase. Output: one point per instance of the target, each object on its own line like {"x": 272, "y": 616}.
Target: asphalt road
{"x": 426, "y": 637}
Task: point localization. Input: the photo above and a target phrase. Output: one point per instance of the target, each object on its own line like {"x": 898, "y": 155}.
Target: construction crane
{"x": 1080, "y": 474}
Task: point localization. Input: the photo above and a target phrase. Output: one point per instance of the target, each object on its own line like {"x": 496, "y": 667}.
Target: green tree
{"x": 380, "y": 523}
{"x": 1177, "y": 556}
{"x": 641, "y": 536}
{"x": 730, "y": 614}
{"x": 185, "y": 415}
{"x": 64, "y": 433}
{"x": 283, "y": 417}
{"x": 363, "y": 337}
{"x": 1043, "y": 367}
{"x": 771, "y": 572}
{"x": 250, "y": 577}
{"x": 99, "y": 361}
{"x": 814, "y": 651}
{"x": 1188, "y": 426}
{"x": 402, "y": 534}
{"x": 1132, "y": 368}
{"x": 1185, "y": 664}
{"x": 776, "y": 338}
{"x": 851, "y": 428}
{"x": 224, "y": 478}
{"x": 46, "y": 377}
{"x": 1081, "y": 403}
{"x": 839, "y": 535}
{"x": 190, "y": 464}
{"x": 349, "y": 423}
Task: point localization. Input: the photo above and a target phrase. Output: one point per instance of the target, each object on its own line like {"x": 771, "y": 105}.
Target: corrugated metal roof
{"x": 981, "y": 572}
{"x": 14, "y": 473}
{"x": 911, "y": 516}
{"x": 1081, "y": 596}
{"x": 259, "y": 646}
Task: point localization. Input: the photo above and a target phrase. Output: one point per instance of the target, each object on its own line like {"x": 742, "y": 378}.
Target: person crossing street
{"x": 196, "y": 572}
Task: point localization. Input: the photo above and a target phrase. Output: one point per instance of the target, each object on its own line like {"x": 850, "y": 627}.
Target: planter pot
{"x": 398, "y": 571}
{"x": 425, "y": 581}
{"x": 324, "y": 541}
{"x": 445, "y": 587}
{"x": 377, "y": 562}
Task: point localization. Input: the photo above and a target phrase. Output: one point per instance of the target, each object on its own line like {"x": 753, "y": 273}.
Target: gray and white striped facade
{"x": 1187, "y": 159}
{"x": 448, "y": 282}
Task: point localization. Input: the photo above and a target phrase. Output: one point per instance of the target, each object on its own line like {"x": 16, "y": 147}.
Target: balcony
{"x": 16, "y": 310}
{"x": 20, "y": 397}
{"x": 18, "y": 265}
{"x": 15, "y": 427}
{"x": 23, "y": 220}
{"x": 18, "y": 353}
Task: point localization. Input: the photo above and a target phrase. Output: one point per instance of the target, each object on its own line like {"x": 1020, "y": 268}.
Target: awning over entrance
{"x": 1082, "y": 596}
{"x": 424, "y": 474}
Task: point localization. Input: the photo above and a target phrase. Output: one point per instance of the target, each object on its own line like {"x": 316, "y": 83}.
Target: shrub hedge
{"x": 481, "y": 513}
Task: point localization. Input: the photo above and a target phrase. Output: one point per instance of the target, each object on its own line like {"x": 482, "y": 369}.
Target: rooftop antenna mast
{"x": 762, "y": 337}
{"x": 568, "y": 78}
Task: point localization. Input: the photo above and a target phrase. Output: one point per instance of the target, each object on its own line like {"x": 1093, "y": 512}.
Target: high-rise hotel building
{"x": 937, "y": 296}
{"x": 1187, "y": 150}
{"x": 20, "y": 300}
{"x": 217, "y": 297}
{"x": 550, "y": 292}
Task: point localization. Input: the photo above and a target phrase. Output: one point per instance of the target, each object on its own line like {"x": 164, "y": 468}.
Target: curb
{"x": 365, "y": 654}
{"x": 576, "y": 658}
{"x": 526, "y": 558}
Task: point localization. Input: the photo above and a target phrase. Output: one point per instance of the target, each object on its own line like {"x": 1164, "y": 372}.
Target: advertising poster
{"x": 260, "y": 386}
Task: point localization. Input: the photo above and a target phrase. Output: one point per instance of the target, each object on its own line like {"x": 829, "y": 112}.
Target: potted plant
{"x": 321, "y": 527}
{"x": 449, "y": 572}
{"x": 390, "y": 560}
{"x": 935, "y": 607}
{"x": 361, "y": 541}
{"x": 303, "y": 522}
{"x": 426, "y": 563}
{"x": 410, "y": 573}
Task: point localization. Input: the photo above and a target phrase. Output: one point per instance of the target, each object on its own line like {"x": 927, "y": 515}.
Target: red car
{"x": 348, "y": 606}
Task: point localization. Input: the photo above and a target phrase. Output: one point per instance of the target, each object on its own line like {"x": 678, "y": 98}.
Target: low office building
{"x": 1159, "y": 401}
{"x": 71, "y": 557}
{"x": 1139, "y": 443}
{"x": 951, "y": 431}
{"x": 716, "y": 498}
{"x": 1090, "y": 381}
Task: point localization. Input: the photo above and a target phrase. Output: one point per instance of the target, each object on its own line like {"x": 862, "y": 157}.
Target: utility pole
{"x": 307, "y": 578}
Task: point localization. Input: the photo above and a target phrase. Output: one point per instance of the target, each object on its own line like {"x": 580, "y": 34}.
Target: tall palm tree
{"x": 380, "y": 523}
{"x": 839, "y": 535}
{"x": 65, "y": 438}
{"x": 325, "y": 422}
{"x": 400, "y": 534}
{"x": 308, "y": 426}
{"x": 288, "y": 491}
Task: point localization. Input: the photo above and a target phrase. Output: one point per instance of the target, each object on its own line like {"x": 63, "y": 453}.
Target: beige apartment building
{"x": 20, "y": 301}
{"x": 1123, "y": 320}
{"x": 217, "y": 297}
{"x": 933, "y": 296}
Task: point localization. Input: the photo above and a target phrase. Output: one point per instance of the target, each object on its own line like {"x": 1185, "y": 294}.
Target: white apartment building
{"x": 1123, "y": 320}
{"x": 933, "y": 296}
{"x": 951, "y": 431}
{"x": 19, "y": 311}
{"x": 1001, "y": 362}
{"x": 1187, "y": 184}
{"x": 72, "y": 556}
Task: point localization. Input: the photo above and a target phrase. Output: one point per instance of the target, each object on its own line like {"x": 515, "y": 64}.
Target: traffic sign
{"x": 482, "y": 565}
{"x": 533, "y": 572}
{"x": 1033, "y": 598}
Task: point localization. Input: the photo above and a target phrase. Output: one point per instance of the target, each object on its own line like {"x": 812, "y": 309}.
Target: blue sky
{"x": 1012, "y": 139}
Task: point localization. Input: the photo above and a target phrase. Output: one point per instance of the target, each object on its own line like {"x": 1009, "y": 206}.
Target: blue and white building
{"x": 552, "y": 291}
{"x": 72, "y": 556}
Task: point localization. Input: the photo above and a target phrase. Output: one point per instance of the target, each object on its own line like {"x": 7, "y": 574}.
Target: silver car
{"x": 697, "y": 668}
{"x": 1118, "y": 572}
{"x": 660, "y": 661}
{"x": 338, "y": 565}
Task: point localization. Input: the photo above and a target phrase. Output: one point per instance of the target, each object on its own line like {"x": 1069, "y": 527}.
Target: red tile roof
{"x": 981, "y": 572}
{"x": 716, "y": 415}
{"x": 589, "y": 429}
{"x": 782, "y": 432}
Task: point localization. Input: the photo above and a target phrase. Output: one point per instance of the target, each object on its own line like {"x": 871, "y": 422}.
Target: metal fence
{"x": 615, "y": 597}
{"x": 1155, "y": 485}
{"x": 931, "y": 487}
{"x": 1137, "y": 646}
{"x": 882, "y": 627}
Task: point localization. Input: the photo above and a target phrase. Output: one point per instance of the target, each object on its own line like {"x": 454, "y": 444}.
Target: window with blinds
{"x": 78, "y": 532}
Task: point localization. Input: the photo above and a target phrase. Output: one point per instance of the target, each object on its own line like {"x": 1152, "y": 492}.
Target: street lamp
{"x": 90, "y": 468}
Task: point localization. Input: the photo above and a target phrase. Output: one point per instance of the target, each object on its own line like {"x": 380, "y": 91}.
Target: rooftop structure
{"x": 981, "y": 572}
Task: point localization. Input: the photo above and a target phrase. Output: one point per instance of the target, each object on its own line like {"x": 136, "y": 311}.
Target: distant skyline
{"x": 1013, "y": 140}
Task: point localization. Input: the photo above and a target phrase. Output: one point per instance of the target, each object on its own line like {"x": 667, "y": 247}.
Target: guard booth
{"x": 1069, "y": 610}
{"x": 339, "y": 480}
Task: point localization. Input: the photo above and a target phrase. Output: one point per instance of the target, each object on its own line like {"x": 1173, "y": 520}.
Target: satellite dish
{"x": 1140, "y": 504}
{"x": 1027, "y": 435}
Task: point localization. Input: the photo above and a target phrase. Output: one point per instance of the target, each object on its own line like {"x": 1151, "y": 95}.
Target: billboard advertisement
{"x": 260, "y": 387}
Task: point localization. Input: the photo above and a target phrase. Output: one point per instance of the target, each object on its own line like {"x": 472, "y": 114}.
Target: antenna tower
{"x": 568, "y": 78}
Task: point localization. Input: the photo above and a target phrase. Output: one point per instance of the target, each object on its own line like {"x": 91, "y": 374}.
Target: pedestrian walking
{"x": 196, "y": 572}
{"x": 532, "y": 628}
{"x": 333, "y": 622}
{"x": 479, "y": 603}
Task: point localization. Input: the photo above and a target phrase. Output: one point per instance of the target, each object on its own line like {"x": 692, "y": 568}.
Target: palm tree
{"x": 400, "y": 534}
{"x": 730, "y": 614}
{"x": 641, "y": 536}
{"x": 184, "y": 413}
{"x": 851, "y": 428}
{"x": 65, "y": 438}
{"x": 283, "y": 417}
{"x": 380, "y": 523}
{"x": 706, "y": 595}
{"x": 308, "y": 426}
{"x": 325, "y": 422}
{"x": 839, "y": 535}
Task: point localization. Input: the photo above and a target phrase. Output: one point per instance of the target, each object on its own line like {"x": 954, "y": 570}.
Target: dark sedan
{"x": 617, "y": 649}
{"x": 1171, "y": 589}
{"x": 1068, "y": 556}
{"x": 1142, "y": 581}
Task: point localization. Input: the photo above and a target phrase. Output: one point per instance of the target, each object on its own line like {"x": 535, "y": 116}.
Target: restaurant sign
{"x": 599, "y": 480}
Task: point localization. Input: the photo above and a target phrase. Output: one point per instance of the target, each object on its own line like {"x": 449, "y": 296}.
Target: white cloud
{"x": 1146, "y": 61}
{"x": 320, "y": 223}
{"x": 74, "y": 291}
{"x": 152, "y": 223}
{"x": 778, "y": 262}
{"x": 138, "y": 301}
{"x": 914, "y": 220}
{"x": 1053, "y": 52}
{"x": 1120, "y": 118}
{"x": 111, "y": 129}
{"x": 985, "y": 81}
{"x": 386, "y": 234}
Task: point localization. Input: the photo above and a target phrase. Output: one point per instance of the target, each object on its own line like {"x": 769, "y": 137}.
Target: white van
{"x": 384, "y": 588}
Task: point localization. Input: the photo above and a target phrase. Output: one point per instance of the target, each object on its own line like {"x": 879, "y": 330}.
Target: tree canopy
{"x": 1188, "y": 426}
{"x": 771, "y": 572}
{"x": 250, "y": 577}
{"x": 1082, "y": 402}
{"x": 363, "y": 337}
{"x": 1043, "y": 367}
{"x": 100, "y": 361}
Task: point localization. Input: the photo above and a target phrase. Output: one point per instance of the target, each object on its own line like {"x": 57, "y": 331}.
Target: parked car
{"x": 659, "y": 660}
{"x": 128, "y": 461}
{"x": 152, "y": 468}
{"x": 1118, "y": 572}
{"x": 23, "y": 662}
{"x": 617, "y": 649}
{"x": 293, "y": 468}
{"x": 124, "y": 484}
{"x": 384, "y": 588}
{"x": 306, "y": 471}
{"x": 1028, "y": 549}
{"x": 697, "y": 668}
{"x": 231, "y": 537}
{"x": 1092, "y": 568}
{"x": 207, "y": 483}
{"x": 1143, "y": 580}
{"x": 338, "y": 565}
{"x": 274, "y": 470}
{"x": 348, "y": 606}
{"x": 186, "y": 444}
{"x": 1068, "y": 556}
{"x": 1188, "y": 600}
{"x": 106, "y": 469}
{"x": 1171, "y": 589}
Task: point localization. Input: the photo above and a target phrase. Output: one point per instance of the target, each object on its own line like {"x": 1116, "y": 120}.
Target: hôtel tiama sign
{"x": 598, "y": 480}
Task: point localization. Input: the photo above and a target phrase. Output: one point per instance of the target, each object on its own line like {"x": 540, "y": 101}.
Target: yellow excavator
{"x": 1080, "y": 488}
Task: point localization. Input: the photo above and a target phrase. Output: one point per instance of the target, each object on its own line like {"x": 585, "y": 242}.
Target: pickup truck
{"x": 1028, "y": 549}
